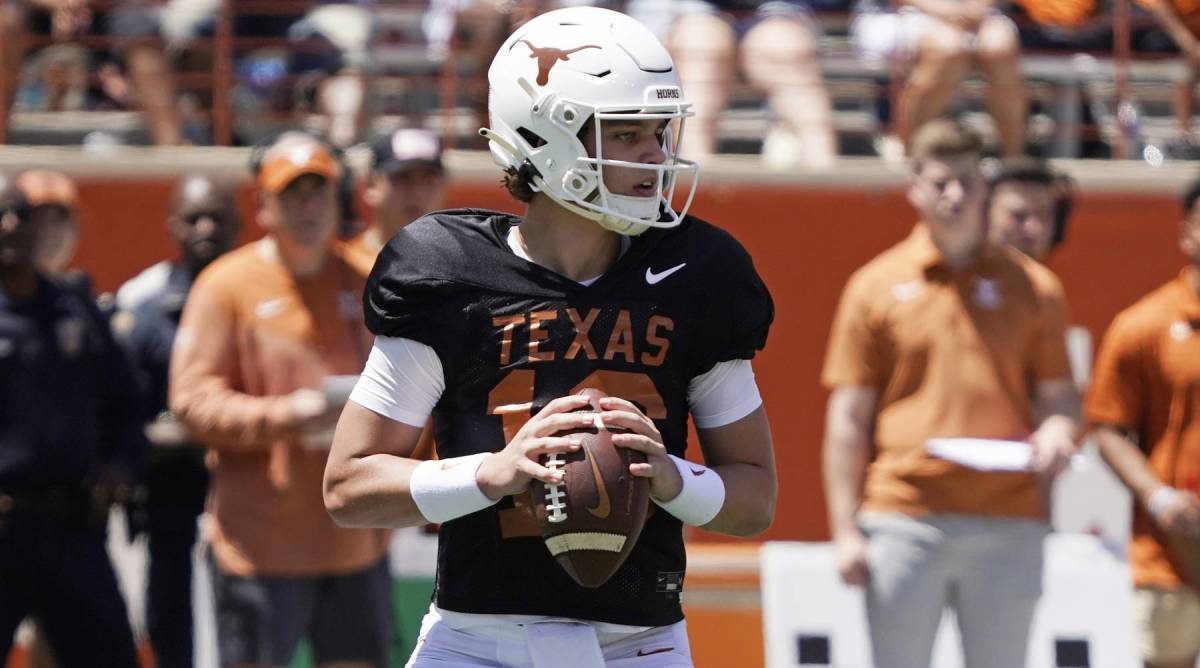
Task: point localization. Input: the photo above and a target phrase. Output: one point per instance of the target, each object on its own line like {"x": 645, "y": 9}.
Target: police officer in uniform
{"x": 70, "y": 444}
{"x": 204, "y": 224}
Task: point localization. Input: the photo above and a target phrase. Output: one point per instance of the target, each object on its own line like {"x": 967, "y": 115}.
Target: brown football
{"x": 591, "y": 520}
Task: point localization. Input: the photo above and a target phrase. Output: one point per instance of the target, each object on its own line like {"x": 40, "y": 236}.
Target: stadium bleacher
{"x": 1074, "y": 96}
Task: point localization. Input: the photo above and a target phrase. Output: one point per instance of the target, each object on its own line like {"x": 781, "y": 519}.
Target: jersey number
{"x": 512, "y": 398}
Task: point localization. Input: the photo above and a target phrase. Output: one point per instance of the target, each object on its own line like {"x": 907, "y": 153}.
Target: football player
{"x": 494, "y": 324}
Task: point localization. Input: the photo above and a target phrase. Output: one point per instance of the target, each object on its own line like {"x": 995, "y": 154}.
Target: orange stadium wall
{"x": 805, "y": 240}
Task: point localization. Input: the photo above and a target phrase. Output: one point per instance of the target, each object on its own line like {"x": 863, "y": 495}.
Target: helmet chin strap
{"x": 645, "y": 208}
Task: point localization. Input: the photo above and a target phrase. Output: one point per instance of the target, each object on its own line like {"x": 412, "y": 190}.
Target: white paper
{"x": 991, "y": 454}
{"x": 984, "y": 454}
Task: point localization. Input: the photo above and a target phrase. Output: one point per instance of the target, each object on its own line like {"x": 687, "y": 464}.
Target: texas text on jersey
{"x": 512, "y": 336}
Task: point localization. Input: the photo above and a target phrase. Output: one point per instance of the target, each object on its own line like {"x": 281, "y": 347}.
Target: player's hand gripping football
{"x": 643, "y": 436}
{"x": 509, "y": 471}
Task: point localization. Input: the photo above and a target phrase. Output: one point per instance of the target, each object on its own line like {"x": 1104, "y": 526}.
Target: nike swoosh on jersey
{"x": 602, "y": 508}
{"x": 698, "y": 472}
{"x": 653, "y": 278}
{"x": 657, "y": 650}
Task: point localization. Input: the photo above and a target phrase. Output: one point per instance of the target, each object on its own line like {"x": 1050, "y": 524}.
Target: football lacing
{"x": 555, "y": 495}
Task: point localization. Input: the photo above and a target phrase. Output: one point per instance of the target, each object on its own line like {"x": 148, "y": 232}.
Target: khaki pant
{"x": 1167, "y": 623}
{"x": 988, "y": 570}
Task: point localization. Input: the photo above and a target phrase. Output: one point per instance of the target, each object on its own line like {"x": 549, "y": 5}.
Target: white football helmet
{"x": 569, "y": 66}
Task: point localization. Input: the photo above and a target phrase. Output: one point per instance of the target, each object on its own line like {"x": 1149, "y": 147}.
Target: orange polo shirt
{"x": 250, "y": 334}
{"x": 952, "y": 354}
{"x": 1147, "y": 381}
{"x": 361, "y": 250}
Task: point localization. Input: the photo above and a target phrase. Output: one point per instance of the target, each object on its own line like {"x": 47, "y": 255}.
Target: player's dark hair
{"x": 519, "y": 182}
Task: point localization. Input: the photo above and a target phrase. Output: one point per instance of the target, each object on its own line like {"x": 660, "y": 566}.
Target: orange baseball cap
{"x": 42, "y": 186}
{"x": 290, "y": 159}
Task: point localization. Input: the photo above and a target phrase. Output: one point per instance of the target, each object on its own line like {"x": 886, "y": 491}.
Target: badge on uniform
{"x": 987, "y": 293}
{"x": 70, "y": 336}
{"x": 122, "y": 324}
{"x": 349, "y": 305}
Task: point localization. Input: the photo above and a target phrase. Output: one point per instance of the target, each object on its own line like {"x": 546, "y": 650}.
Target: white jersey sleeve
{"x": 402, "y": 380}
{"x": 723, "y": 395}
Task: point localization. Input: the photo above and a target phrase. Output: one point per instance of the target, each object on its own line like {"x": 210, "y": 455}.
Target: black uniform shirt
{"x": 68, "y": 402}
{"x": 177, "y": 478}
{"x": 509, "y": 332}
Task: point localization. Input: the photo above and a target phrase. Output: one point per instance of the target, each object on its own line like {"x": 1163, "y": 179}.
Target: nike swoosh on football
{"x": 653, "y": 278}
{"x": 602, "y": 508}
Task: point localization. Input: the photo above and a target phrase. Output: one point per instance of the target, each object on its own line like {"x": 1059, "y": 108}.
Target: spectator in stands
{"x": 1063, "y": 25}
{"x": 1145, "y": 410}
{"x": 129, "y": 24}
{"x": 341, "y": 97}
{"x": 945, "y": 40}
{"x": 946, "y": 337}
{"x": 203, "y": 223}
{"x": 1028, "y": 205}
{"x": 257, "y": 374}
{"x": 407, "y": 181}
{"x": 319, "y": 64}
{"x": 1181, "y": 20}
{"x": 777, "y": 44}
{"x": 73, "y": 444}
{"x": 476, "y": 29}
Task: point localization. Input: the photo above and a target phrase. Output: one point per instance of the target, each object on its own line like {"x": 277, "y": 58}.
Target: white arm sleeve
{"x": 723, "y": 395}
{"x": 402, "y": 380}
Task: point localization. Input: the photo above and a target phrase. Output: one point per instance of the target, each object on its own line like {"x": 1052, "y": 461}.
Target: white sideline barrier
{"x": 1083, "y": 618}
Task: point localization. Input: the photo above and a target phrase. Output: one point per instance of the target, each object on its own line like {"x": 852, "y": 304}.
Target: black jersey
{"x": 512, "y": 336}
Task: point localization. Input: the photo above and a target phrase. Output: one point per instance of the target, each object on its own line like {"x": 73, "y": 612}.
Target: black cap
{"x": 406, "y": 148}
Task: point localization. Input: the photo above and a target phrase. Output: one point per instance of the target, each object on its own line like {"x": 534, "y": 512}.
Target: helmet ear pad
{"x": 580, "y": 184}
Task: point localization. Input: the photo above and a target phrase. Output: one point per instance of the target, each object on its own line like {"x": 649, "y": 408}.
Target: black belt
{"x": 71, "y": 504}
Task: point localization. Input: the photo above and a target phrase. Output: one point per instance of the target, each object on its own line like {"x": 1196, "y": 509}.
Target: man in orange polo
{"x": 946, "y": 352}
{"x": 1145, "y": 405}
{"x": 266, "y": 331}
